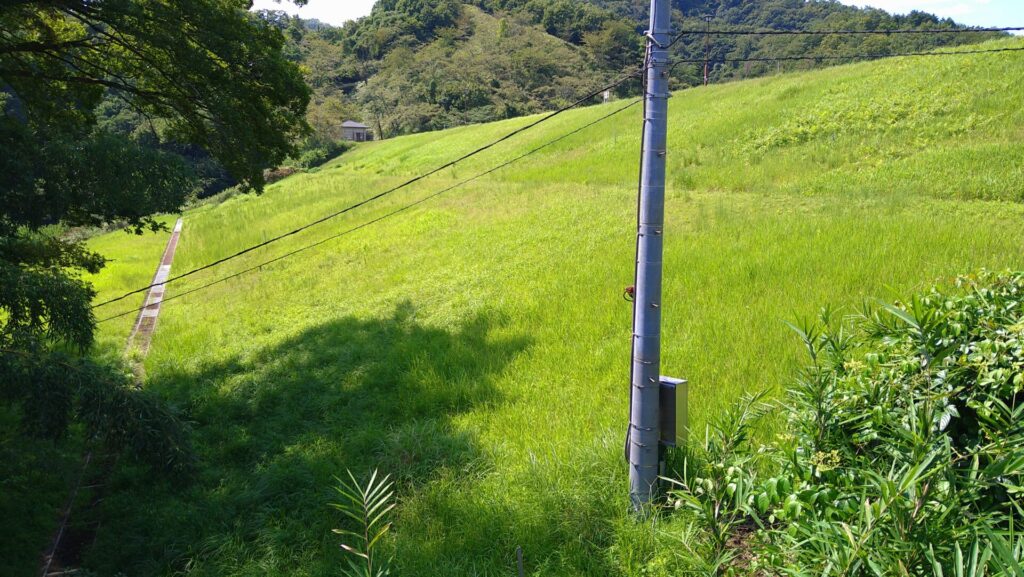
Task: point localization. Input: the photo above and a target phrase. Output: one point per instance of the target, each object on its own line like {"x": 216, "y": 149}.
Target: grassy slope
{"x": 476, "y": 348}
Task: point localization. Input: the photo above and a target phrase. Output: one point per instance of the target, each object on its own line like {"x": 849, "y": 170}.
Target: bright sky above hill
{"x": 973, "y": 12}
{"x": 992, "y": 13}
{"x": 335, "y": 12}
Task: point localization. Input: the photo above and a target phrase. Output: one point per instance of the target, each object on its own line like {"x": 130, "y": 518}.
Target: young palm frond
{"x": 368, "y": 506}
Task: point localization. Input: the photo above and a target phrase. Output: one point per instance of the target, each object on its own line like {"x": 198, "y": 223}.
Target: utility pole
{"x": 645, "y": 435}
{"x": 707, "y": 47}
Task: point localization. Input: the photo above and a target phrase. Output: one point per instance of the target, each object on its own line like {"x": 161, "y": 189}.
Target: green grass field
{"x": 476, "y": 348}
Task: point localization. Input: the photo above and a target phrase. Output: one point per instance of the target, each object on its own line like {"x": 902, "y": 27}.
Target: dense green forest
{"x": 418, "y": 65}
{"x": 412, "y": 66}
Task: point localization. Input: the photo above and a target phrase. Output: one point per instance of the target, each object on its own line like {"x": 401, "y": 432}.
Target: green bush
{"x": 903, "y": 452}
{"x": 52, "y": 390}
{"x": 315, "y": 154}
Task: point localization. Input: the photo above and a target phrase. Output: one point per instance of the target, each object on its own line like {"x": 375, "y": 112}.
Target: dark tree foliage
{"x": 569, "y": 20}
{"x": 203, "y": 73}
{"x": 414, "y": 65}
{"x": 398, "y": 22}
{"x": 116, "y": 116}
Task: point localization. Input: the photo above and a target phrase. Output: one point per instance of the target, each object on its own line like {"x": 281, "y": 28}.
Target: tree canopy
{"x": 203, "y": 73}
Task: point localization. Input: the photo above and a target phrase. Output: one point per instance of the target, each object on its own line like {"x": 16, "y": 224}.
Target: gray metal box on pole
{"x": 644, "y": 422}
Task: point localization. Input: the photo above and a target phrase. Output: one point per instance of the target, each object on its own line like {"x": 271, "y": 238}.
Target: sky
{"x": 335, "y": 12}
{"x": 992, "y": 13}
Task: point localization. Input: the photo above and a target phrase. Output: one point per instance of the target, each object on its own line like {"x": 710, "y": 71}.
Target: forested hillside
{"x": 419, "y": 65}
{"x": 798, "y": 15}
{"x": 481, "y": 67}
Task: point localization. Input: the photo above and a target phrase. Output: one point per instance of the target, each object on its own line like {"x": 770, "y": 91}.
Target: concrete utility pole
{"x": 645, "y": 436}
{"x": 707, "y": 47}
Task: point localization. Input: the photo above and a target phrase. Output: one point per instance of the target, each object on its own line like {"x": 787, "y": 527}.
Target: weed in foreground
{"x": 369, "y": 507}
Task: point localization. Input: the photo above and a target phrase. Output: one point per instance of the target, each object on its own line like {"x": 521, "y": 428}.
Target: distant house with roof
{"x": 355, "y": 131}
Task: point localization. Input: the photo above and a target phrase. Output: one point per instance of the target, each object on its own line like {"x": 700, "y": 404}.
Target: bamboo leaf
{"x": 368, "y": 506}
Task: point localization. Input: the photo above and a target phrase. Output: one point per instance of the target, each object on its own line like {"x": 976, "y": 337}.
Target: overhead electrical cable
{"x": 878, "y": 32}
{"x": 380, "y": 195}
{"x": 583, "y": 100}
{"x": 382, "y": 217}
{"x": 677, "y": 61}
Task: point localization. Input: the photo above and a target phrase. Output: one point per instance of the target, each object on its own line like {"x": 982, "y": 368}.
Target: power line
{"x": 707, "y": 47}
{"x": 881, "y": 32}
{"x": 676, "y": 62}
{"x": 382, "y": 217}
{"x": 366, "y": 201}
{"x": 897, "y": 31}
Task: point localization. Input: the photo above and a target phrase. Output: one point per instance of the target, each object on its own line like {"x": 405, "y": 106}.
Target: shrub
{"x": 52, "y": 390}
{"x": 904, "y": 446}
{"x": 277, "y": 174}
{"x": 314, "y": 154}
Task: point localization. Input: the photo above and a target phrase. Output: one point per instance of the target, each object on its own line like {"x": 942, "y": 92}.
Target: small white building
{"x": 355, "y": 131}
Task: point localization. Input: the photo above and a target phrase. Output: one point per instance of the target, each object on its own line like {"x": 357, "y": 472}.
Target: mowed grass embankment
{"x": 476, "y": 347}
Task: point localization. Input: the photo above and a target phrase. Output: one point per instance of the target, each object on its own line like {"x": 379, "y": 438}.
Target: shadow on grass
{"x": 274, "y": 427}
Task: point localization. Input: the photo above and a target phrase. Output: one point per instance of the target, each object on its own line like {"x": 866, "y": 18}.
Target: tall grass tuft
{"x": 369, "y": 507}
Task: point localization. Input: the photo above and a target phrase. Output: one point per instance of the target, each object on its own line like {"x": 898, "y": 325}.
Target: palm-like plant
{"x": 368, "y": 506}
